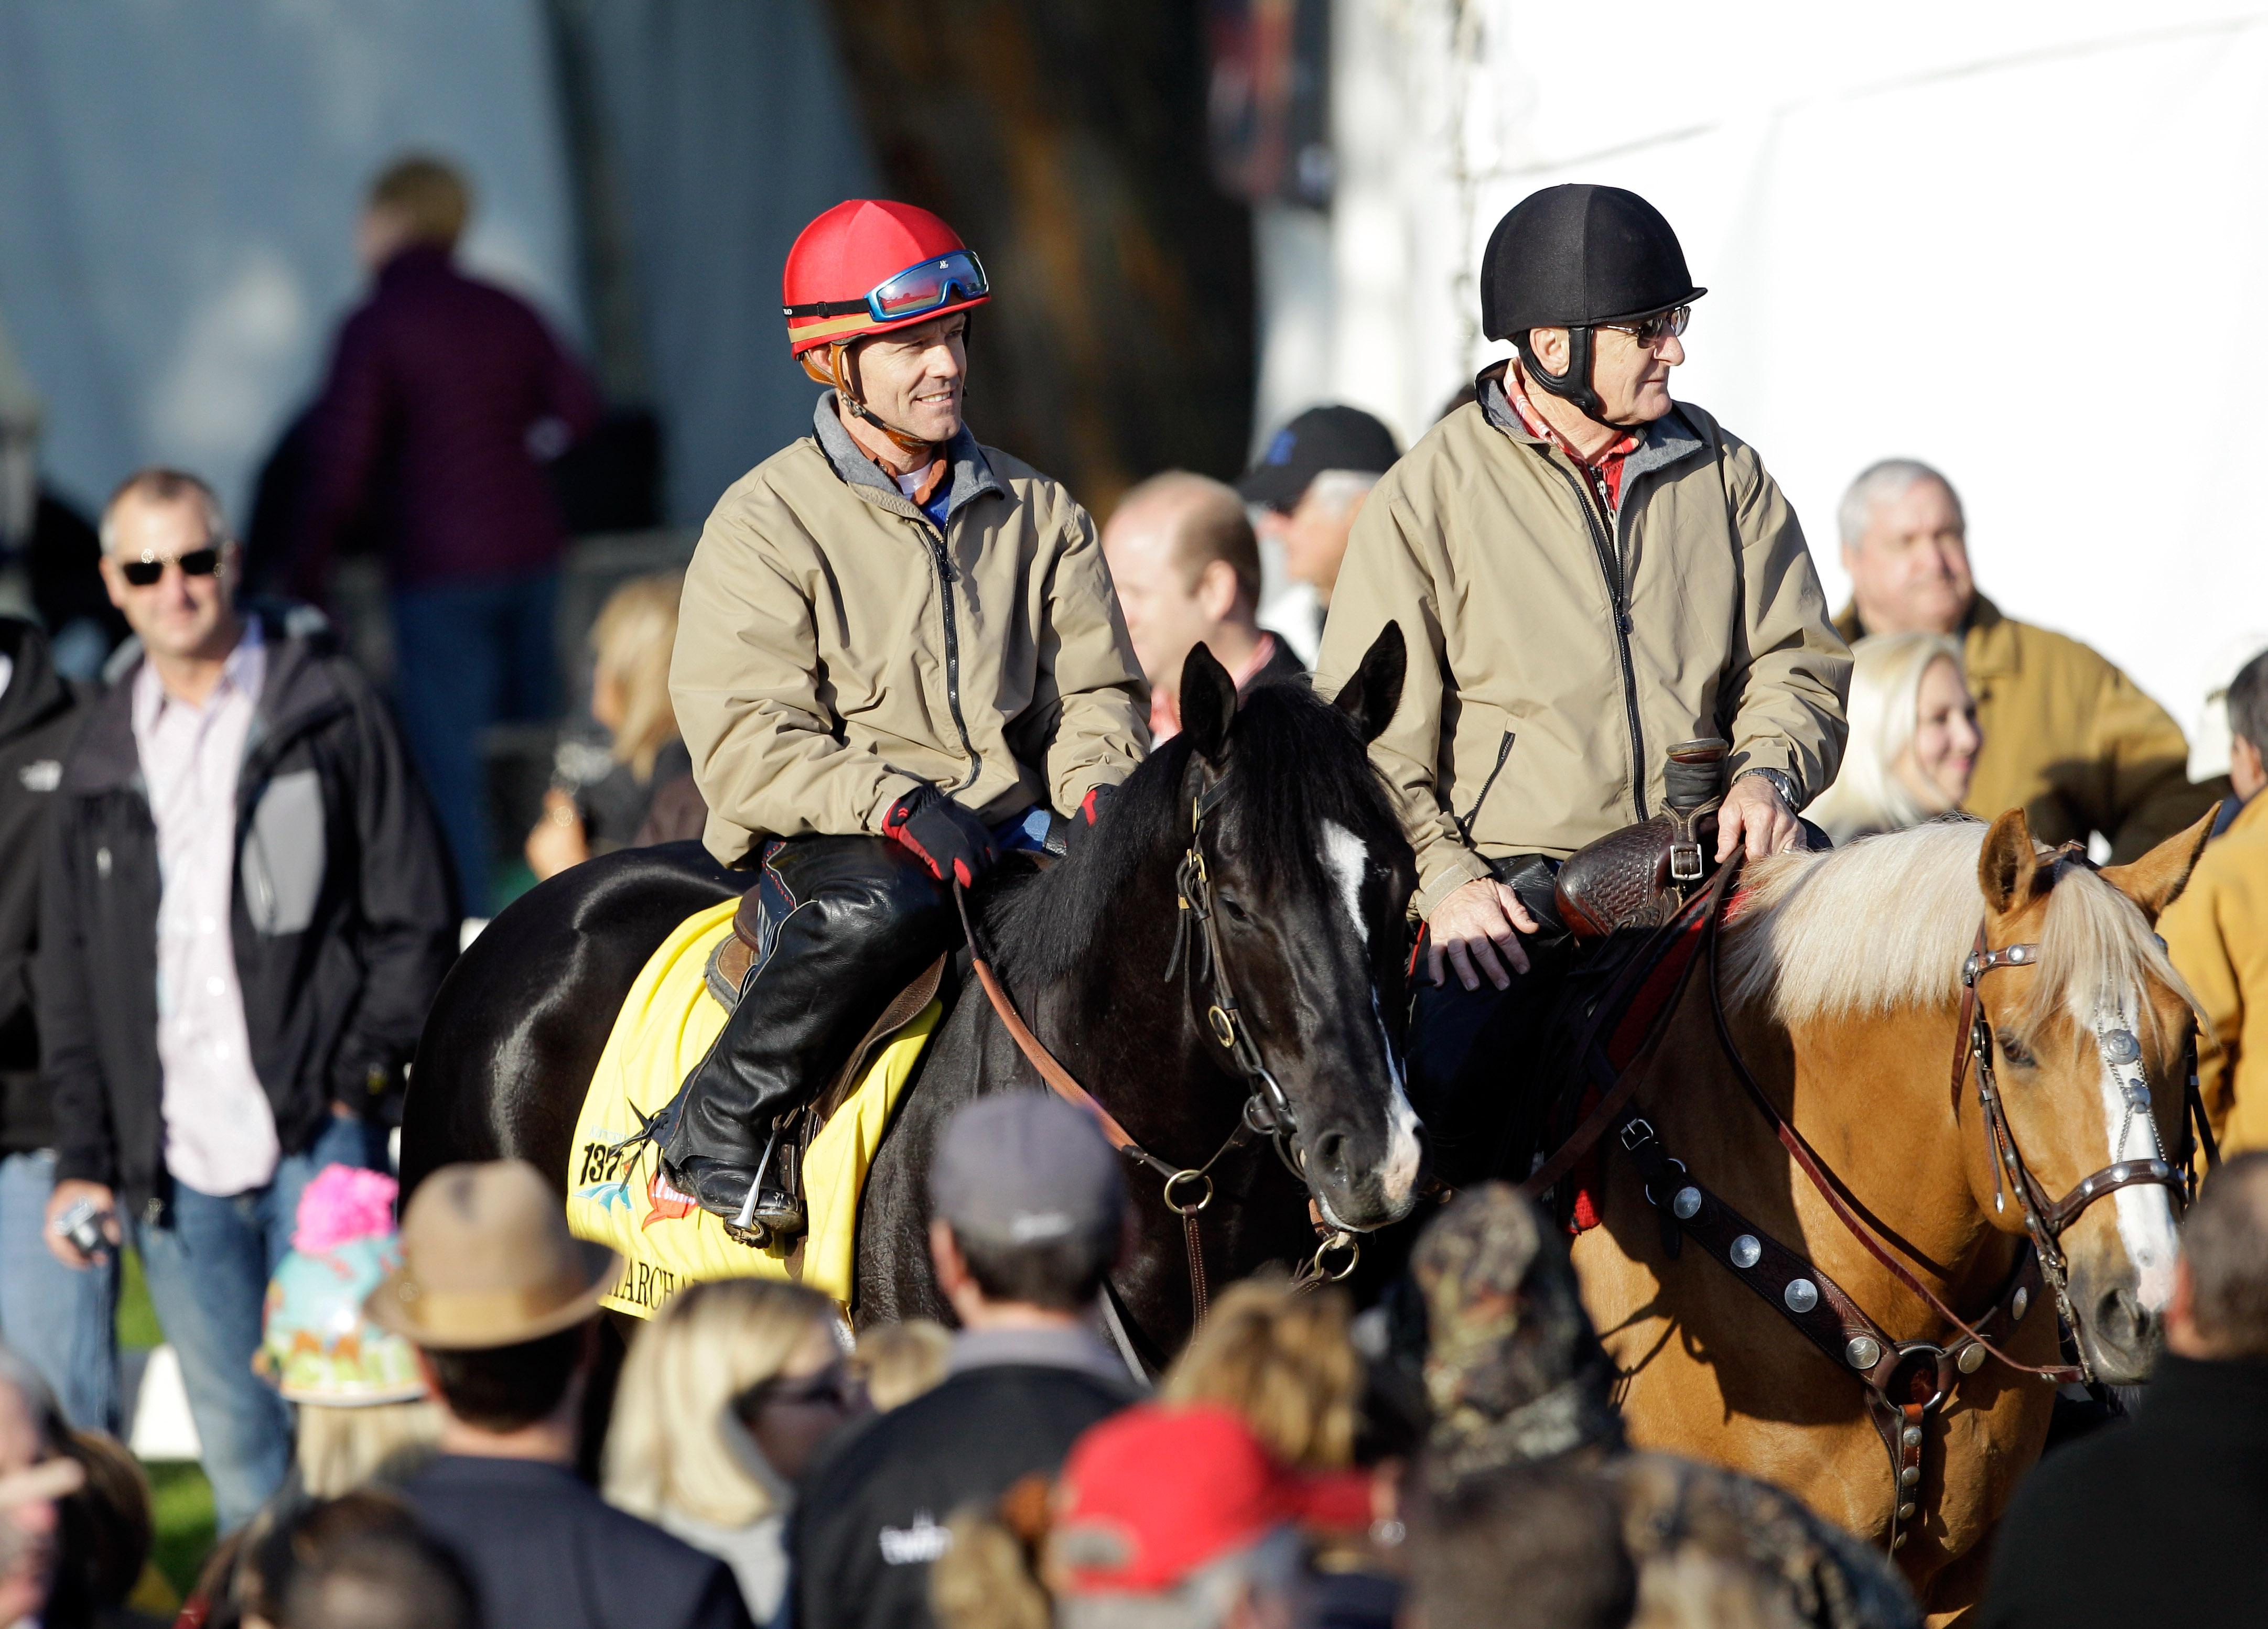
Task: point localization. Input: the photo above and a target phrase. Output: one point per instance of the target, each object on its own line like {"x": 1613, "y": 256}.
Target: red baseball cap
{"x": 1151, "y": 1495}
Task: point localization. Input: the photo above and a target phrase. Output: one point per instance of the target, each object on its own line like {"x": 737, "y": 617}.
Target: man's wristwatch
{"x": 1778, "y": 780}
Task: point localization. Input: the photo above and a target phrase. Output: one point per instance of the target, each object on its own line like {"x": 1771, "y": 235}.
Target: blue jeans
{"x": 469, "y": 655}
{"x": 63, "y": 1321}
{"x": 208, "y": 1264}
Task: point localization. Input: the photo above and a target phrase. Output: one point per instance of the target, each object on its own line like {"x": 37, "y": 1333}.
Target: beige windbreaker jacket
{"x": 1553, "y": 657}
{"x": 833, "y": 648}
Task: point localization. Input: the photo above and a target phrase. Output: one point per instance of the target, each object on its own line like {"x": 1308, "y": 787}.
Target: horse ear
{"x": 2156, "y": 880}
{"x": 1371, "y": 695}
{"x": 1208, "y": 703}
{"x": 2009, "y": 871}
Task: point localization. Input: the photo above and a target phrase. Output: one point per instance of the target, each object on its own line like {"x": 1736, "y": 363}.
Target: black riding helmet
{"x": 1573, "y": 257}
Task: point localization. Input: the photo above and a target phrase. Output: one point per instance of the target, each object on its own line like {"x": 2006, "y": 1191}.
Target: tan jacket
{"x": 1527, "y": 724}
{"x": 2217, "y": 932}
{"x": 833, "y": 649}
{"x": 2069, "y": 738}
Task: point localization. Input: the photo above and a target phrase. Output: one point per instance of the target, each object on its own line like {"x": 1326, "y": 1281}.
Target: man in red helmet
{"x": 898, "y": 654}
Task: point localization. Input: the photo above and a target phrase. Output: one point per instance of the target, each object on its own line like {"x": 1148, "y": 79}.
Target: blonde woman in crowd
{"x": 1914, "y": 738}
{"x": 723, "y": 1399}
{"x": 899, "y": 1361}
{"x": 640, "y": 789}
{"x": 1282, "y": 1361}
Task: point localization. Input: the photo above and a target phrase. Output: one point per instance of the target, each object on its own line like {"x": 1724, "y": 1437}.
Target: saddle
{"x": 1641, "y": 875}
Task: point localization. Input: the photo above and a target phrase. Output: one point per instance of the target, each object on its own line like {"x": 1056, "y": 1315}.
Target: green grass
{"x": 182, "y": 1498}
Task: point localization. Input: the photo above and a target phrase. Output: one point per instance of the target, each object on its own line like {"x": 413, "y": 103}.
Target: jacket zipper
{"x": 1503, "y": 752}
{"x": 1618, "y": 596}
{"x": 945, "y": 580}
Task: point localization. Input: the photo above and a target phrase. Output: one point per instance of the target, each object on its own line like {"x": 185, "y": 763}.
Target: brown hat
{"x": 487, "y": 1261}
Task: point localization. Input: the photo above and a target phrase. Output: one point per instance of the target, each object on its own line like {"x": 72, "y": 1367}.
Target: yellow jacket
{"x": 2217, "y": 933}
{"x": 833, "y": 647}
{"x": 2069, "y": 738}
{"x": 1542, "y": 689}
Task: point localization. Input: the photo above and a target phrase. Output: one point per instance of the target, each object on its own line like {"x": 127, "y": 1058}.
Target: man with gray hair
{"x": 1028, "y": 1213}
{"x": 2160, "y": 1522}
{"x": 2068, "y": 738}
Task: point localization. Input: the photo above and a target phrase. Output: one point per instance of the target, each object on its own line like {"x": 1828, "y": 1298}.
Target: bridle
{"x": 1267, "y": 1112}
{"x": 2045, "y": 1218}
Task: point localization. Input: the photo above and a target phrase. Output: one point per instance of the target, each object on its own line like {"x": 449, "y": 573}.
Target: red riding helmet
{"x": 868, "y": 265}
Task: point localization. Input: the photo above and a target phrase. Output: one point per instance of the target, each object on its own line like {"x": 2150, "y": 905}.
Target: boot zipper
{"x": 1465, "y": 826}
{"x": 1617, "y": 595}
{"x": 946, "y": 576}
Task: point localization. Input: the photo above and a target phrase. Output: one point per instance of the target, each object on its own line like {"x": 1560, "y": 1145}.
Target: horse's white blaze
{"x": 2145, "y": 1214}
{"x": 1347, "y": 856}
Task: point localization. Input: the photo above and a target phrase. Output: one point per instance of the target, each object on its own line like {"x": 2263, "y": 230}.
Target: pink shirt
{"x": 220, "y": 1133}
{"x": 1166, "y": 718}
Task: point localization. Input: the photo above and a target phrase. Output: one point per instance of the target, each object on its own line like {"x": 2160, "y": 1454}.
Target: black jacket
{"x": 40, "y": 713}
{"x": 344, "y": 917}
{"x": 2158, "y": 1522}
{"x": 871, "y": 1514}
{"x": 548, "y": 1553}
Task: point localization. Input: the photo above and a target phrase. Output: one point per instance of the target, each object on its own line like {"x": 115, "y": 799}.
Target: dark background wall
{"x": 1066, "y": 140}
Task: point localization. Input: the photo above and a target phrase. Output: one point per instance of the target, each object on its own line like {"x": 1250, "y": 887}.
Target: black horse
{"x": 1311, "y": 876}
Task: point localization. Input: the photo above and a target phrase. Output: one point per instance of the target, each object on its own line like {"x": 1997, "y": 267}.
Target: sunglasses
{"x": 146, "y": 572}
{"x": 929, "y": 286}
{"x": 1649, "y": 330}
{"x": 831, "y": 1388}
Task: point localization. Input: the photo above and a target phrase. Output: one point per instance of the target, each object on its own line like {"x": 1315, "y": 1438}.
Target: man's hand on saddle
{"x": 1753, "y": 814}
{"x": 950, "y": 840}
{"x": 1476, "y": 930}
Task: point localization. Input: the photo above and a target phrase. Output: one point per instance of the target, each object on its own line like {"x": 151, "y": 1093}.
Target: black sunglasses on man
{"x": 146, "y": 571}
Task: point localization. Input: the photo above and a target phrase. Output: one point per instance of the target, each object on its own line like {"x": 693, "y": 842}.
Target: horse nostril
{"x": 1330, "y": 1152}
{"x": 2120, "y": 1316}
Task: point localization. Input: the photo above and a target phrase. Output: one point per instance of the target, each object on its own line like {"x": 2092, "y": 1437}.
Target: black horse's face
{"x": 1314, "y": 943}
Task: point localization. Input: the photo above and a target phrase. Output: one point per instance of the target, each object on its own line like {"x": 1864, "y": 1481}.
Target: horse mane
{"x": 1295, "y": 761}
{"x": 1887, "y": 921}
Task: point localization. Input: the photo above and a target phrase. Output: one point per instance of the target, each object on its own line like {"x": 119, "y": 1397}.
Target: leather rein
{"x": 1267, "y": 1112}
{"x": 1907, "y": 1381}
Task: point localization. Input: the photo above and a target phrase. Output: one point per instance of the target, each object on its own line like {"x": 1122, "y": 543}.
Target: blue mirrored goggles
{"x": 931, "y": 285}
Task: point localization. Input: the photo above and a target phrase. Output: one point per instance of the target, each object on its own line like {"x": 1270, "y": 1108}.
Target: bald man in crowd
{"x": 1187, "y": 567}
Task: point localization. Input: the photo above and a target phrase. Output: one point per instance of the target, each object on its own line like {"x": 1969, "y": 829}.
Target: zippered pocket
{"x": 1465, "y": 824}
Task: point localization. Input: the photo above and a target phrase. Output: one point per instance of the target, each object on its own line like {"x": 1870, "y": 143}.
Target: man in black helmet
{"x": 1599, "y": 572}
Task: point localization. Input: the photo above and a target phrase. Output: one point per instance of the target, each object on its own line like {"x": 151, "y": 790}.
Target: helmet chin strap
{"x": 838, "y": 376}
{"x": 1573, "y": 386}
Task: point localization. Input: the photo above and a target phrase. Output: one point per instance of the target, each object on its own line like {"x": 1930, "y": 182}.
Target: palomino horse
{"x": 1264, "y": 811}
{"x": 1842, "y": 983}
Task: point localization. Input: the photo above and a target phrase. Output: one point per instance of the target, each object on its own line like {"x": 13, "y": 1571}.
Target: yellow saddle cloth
{"x": 616, "y": 1195}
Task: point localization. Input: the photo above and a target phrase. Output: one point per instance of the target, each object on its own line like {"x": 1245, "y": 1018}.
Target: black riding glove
{"x": 1081, "y": 825}
{"x": 948, "y": 838}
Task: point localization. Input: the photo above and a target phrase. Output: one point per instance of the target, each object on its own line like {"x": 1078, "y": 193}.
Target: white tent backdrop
{"x": 178, "y": 188}
{"x": 2026, "y": 243}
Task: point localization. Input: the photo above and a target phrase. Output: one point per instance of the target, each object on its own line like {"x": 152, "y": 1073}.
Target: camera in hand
{"x": 82, "y": 1225}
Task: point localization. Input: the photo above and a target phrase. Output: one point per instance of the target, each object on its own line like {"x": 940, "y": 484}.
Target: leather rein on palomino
{"x": 1907, "y": 1382}
{"x": 1267, "y": 1111}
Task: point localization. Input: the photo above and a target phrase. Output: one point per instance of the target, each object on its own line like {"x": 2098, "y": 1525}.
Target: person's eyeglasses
{"x": 146, "y": 571}
{"x": 1649, "y": 330}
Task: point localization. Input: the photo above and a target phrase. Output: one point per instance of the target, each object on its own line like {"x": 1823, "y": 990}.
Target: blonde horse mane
{"x": 1887, "y": 921}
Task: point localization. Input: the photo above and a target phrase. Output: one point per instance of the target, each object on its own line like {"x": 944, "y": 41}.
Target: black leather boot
{"x": 859, "y": 917}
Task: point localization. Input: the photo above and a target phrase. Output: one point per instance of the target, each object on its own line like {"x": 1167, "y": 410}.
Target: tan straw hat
{"x": 487, "y": 1261}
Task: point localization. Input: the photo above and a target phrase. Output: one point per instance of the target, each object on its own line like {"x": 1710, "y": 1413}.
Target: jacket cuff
{"x": 1767, "y": 754}
{"x": 1449, "y": 869}
{"x": 84, "y": 1165}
